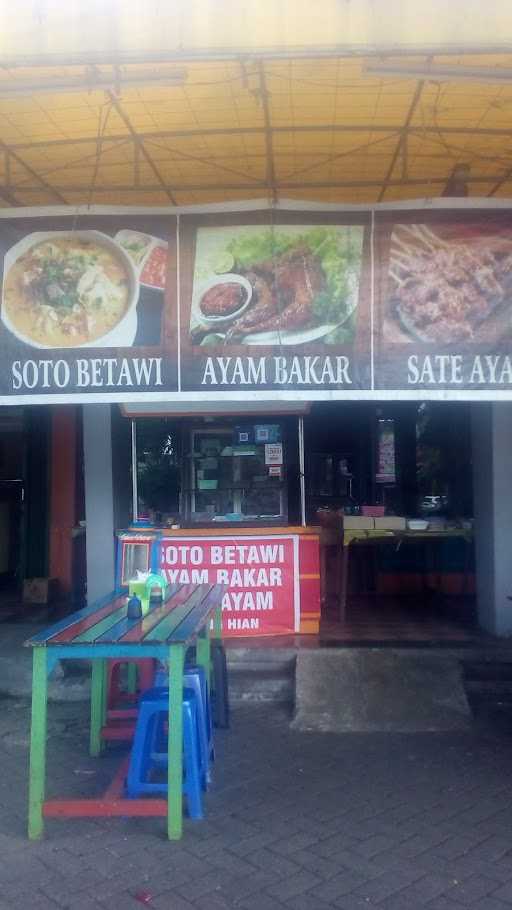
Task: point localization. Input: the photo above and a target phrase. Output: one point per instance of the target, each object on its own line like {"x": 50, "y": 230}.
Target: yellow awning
{"x": 145, "y": 103}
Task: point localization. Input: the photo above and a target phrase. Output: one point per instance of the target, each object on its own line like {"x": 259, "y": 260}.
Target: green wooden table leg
{"x": 175, "y": 743}
{"x": 132, "y": 678}
{"x": 203, "y": 652}
{"x": 104, "y": 699}
{"x": 97, "y": 706}
{"x": 217, "y": 623}
{"x": 37, "y": 744}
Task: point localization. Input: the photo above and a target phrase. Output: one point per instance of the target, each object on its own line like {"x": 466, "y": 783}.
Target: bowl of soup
{"x": 70, "y": 289}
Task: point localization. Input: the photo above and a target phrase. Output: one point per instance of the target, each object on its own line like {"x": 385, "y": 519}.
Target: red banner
{"x": 261, "y": 575}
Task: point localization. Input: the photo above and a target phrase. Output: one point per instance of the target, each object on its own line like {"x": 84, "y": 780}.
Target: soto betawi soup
{"x": 66, "y": 291}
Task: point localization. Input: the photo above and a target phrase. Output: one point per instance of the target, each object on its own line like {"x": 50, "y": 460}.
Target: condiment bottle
{"x": 134, "y": 608}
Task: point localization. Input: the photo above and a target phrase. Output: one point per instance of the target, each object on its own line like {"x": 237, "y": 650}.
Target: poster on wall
{"x": 260, "y": 575}
{"x": 443, "y": 307}
{"x": 85, "y": 306}
{"x": 275, "y": 305}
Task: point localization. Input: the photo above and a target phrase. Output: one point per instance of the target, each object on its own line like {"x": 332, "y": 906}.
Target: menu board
{"x": 269, "y": 304}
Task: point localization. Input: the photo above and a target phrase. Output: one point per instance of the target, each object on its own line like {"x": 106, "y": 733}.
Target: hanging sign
{"x": 274, "y": 453}
{"x": 274, "y": 306}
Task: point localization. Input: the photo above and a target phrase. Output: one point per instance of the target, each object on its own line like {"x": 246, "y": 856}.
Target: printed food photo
{"x": 69, "y": 289}
{"x": 83, "y": 288}
{"x": 448, "y": 284}
{"x": 286, "y": 285}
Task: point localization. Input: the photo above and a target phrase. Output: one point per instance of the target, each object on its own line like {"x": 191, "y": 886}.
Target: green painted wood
{"x": 132, "y": 678}
{"x": 203, "y": 653}
{"x": 217, "y": 623}
{"x": 171, "y": 621}
{"x": 104, "y": 699}
{"x": 175, "y": 743}
{"x": 37, "y": 774}
{"x": 97, "y": 706}
{"x": 102, "y": 626}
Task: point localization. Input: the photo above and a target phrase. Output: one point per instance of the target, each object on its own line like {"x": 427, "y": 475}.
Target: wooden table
{"x": 353, "y": 537}
{"x": 102, "y": 632}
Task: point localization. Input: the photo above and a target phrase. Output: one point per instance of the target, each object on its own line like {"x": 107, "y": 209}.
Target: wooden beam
{"x": 269, "y": 145}
{"x": 211, "y": 162}
{"x": 7, "y": 195}
{"x": 499, "y": 182}
{"x": 276, "y": 130}
{"x": 403, "y": 134}
{"x": 287, "y": 185}
{"x": 278, "y": 52}
{"x": 105, "y": 808}
{"x": 43, "y": 184}
{"x": 143, "y": 150}
{"x": 330, "y": 159}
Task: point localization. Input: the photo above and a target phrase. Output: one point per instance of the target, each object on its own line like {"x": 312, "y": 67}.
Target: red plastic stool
{"x": 118, "y": 697}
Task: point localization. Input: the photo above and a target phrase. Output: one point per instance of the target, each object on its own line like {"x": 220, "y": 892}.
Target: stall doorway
{"x": 377, "y": 476}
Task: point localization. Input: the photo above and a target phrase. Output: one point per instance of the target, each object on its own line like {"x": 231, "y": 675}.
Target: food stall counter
{"x": 271, "y": 574}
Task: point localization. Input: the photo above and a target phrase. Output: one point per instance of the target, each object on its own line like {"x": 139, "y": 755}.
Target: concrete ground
{"x": 294, "y": 820}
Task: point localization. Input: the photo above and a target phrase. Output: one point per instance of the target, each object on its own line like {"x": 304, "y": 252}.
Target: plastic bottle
{"x": 134, "y": 608}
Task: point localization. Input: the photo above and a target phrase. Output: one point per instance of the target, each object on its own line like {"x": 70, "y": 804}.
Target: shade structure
{"x": 213, "y": 101}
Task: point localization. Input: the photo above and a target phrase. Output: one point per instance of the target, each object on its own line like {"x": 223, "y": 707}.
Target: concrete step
{"x": 379, "y": 690}
{"x": 261, "y": 675}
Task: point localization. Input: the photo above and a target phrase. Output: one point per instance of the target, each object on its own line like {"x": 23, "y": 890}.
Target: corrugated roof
{"x": 287, "y": 115}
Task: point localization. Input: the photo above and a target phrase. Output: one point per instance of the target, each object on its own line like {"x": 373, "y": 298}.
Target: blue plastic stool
{"x": 194, "y": 678}
{"x": 153, "y": 712}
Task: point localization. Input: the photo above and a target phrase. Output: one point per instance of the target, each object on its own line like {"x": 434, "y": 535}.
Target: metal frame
{"x": 302, "y": 471}
{"x": 135, "y": 489}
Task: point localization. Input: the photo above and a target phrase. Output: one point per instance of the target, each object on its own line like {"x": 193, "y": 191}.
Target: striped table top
{"x": 177, "y": 621}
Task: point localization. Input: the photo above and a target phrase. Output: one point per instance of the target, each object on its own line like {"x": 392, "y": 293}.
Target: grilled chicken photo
{"x": 284, "y": 291}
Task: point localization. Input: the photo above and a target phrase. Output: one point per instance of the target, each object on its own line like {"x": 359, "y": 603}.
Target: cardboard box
{"x": 358, "y": 523}
{"x": 391, "y": 523}
{"x": 39, "y": 590}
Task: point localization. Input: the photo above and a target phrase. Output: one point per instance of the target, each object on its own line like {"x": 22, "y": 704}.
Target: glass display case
{"x": 236, "y": 473}
{"x": 134, "y": 555}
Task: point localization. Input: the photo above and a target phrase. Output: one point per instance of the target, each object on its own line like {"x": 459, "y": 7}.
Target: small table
{"x": 354, "y": 536}
{"x": 102, "y": 632}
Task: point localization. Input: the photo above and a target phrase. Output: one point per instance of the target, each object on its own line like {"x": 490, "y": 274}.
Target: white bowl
{"x": 229, "y": 278}
{"x": 417, "y": 524}
{"x": 123, "y": 334}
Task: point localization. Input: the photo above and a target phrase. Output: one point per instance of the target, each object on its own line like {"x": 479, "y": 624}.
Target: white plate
{"x": 301, "y": 336}
{"x": 123, "y": 334}
{"x": 153, "y": 242}
{"x": 304, "y": 336}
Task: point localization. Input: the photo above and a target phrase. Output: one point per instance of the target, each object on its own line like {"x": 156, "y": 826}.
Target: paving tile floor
{"x": 294, "y": 820}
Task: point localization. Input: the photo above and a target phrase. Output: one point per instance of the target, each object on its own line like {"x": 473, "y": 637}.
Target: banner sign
{"x": 284, "y": 303}
{"x": 260, "y": 574}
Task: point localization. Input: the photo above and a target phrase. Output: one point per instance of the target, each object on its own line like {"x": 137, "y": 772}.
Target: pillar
{"x": 63, "y": 494}
{"x": 491, "y": 425}
{"x": 99, "y": 500}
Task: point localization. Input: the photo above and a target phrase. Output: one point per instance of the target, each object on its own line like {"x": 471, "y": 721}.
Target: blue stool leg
{"x": 138, "y": 768}
{"x": 151, "y": 719}
{"x": 194, "y": 681}
{"x": 192, "y": 773}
